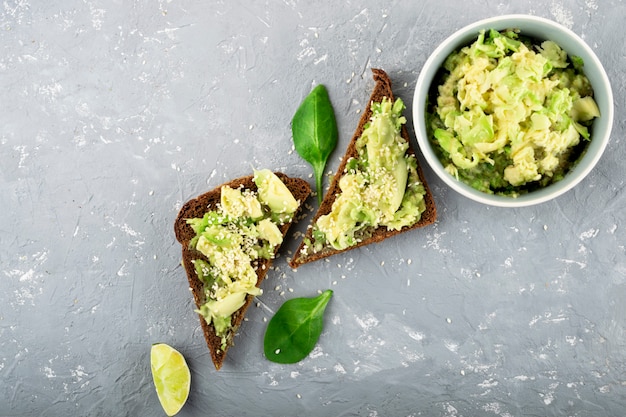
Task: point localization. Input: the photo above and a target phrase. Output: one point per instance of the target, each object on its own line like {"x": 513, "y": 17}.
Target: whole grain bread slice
{"x": 382, "y": 89}
{"x": 196, "y": 208}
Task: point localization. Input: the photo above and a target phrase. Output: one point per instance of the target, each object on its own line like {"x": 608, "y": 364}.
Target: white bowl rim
{"x": 536, "y": 197}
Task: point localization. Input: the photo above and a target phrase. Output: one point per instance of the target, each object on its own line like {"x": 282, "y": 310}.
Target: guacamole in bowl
{"x": 513, "y": 110}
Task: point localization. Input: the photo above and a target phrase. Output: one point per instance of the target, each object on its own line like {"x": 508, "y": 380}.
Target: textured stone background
{"x": 116, "y": 112}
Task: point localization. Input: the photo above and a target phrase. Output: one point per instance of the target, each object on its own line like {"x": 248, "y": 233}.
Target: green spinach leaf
{"x": 314, "y": 130}
{"x": 295, "y": 328}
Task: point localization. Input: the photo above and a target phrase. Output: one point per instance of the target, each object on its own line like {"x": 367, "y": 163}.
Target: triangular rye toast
{"x": 196, "y": 208}
{"x": 302, "y": 256}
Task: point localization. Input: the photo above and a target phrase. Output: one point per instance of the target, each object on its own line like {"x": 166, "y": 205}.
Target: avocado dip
{"x": 511, "y": 115}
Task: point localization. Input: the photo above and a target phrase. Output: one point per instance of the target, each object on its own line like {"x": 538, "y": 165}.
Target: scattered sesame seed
{"x": 290, "y": 289}
{"x": 409, "y": 261}
{"x": 449, "y": 320}
{"x": 334, "y": 282}
{"x": 264, "y": 319}
{"x": 282, "y": 293}
{"x": 277, "y": 351}
{"x": 382, "y": 263}
{"x": 298, "y": 395}
{"x": 462, "y": 372}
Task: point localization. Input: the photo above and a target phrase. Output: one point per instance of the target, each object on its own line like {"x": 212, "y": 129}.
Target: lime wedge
{"x": 171, "y": 377}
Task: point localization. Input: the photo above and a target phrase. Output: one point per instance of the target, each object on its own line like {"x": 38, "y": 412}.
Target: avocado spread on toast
{"x": 244, "y": 228}
{"x": 380, "y": 187}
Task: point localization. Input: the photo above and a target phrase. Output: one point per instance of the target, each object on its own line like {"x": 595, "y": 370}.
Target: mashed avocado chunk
{"x": 511, "y": 115}
{"x": 379, "y": 187}
{"x": 233, "y": 238}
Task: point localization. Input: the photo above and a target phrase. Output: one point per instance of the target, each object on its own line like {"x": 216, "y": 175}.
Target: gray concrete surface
{"x": 115, "y": 112}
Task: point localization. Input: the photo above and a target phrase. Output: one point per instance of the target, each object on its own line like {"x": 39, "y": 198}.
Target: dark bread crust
{"x": 381, "y": 89}
{"x": 196, "y": 208}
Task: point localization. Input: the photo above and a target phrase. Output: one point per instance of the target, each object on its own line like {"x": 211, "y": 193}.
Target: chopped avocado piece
{"x": 270, "y": 232}
{"x": 584, "y": 109}
{"x": 235, "y": 203}
{"x": 379, "y": 188}
{"x": 273, "y": 193}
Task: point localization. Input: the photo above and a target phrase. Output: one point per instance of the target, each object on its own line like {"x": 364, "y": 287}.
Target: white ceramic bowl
{"x": 542, "y": 29}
